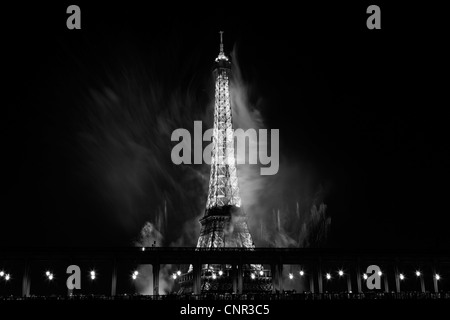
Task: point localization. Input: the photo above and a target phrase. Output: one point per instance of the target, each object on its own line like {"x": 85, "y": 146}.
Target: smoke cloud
{"x": 124, "y": 155}
{"x": 125, "y": 148}
{"x": 277, "y": 216}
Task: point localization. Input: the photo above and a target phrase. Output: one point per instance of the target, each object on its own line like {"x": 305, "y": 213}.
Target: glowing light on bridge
{"x": 438, "y": 277}
{"x": 341, "y": 273}
{"x": 49, "y": 275}
{"x": 418, "y": 273}
{"x": 328, "y": 276}
{"x": 301, "y": 273}
{"x": 365, "y": 276}
{"x": 402, "y": 277}
{"x": 291, "y": 276}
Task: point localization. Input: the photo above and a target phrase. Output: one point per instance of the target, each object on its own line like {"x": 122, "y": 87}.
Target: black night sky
{"x": 86, "y": 136}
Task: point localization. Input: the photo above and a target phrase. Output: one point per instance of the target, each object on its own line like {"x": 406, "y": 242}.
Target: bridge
{"x": 434, "y": 266}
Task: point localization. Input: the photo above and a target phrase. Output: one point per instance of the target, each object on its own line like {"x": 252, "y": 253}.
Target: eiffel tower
{"x": 224, "y": 224}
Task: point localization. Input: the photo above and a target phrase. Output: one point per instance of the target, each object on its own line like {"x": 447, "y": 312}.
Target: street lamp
{"x": 301, "y": 273}
{"x": 365, "y": 276}
{"x": 402, "y": 277}
{"x": 92, "y": 275}
{"x": 328, "y": 276}
{"x": 341, "y": 273}
{"x": 291, "y": 276}
{"x": 418, "y": 273}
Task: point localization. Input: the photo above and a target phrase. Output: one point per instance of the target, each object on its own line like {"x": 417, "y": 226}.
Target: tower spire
{"x": 221, "y": 42}
{"x": 222, "y": 55}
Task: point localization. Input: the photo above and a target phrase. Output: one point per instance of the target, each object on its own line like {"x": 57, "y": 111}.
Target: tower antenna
{"x": 221, "y": 42}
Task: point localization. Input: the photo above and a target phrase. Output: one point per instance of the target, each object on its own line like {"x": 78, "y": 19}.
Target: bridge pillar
{"x": 422, "y": 284}
{"x": 197, "y": 278}
{"x": 114, "y": 278}
{"x": 277, "y": 271}
{"x": 386, "y": 282}
{"x": 234, "y": 277}
{"x": 280, "y": 276}
{"x": 26, "y": 280}
{"x": 155, "y": 272}
{"x": 397, "y": 279}
{"x": 273, "y": 271}
{"x": 435, "y": 281}
{"x": 319, "y": 277}
{"x": 240, "y": 274}
{"x": 358, "y": 277}
{"x": 311, "y": 281}
{"x": 349, "y": 282}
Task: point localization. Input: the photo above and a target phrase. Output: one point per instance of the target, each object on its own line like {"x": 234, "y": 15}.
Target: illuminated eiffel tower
{"x": 224, "y": 223}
